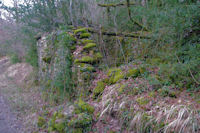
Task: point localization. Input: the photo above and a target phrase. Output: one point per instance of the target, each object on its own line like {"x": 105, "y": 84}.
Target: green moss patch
{"x": 99, "y": 89}
{"x": 82, "y": 120}
{"x": 84, "y": 107}
{"x": 85, "y": 35}
{"x": 89, "y": 46}
{"x": 121, "y": 88}
{"x": 98, "y": 56}
{"x": 87, "y": 68}
{"x": 115, "y": 74}
{"x": 56, "y": 123}
{"x": 142, "y": 101}
{"x": 85, "y": 59}
{"x": 85, "y": 41}
{"x": 133, "y": 73}
{"x": 41, "y": 121}
{"x": 81, "y": 30}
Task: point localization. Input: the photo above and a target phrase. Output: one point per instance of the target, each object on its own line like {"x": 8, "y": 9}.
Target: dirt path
{"x": 8, "y": 121}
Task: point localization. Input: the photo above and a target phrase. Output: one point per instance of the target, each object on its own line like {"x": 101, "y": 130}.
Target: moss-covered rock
{"x": 89, "y": 46}
{"x": 98, "y": 56}
{"x": 56, "y": 123}
{"x": 115, "y": 74}
{"x": 133, "y": 73}
{"x": 87, "y": 68}
{"x": 142, "y": 101}
{"x": 82, "y": 120}
{"x": 85, "y": 35}
{"x": 86, "y": 41}
{"x": 81, "y": 30}
{"x": 99, "y": 89}
{"x": 83, "y": 107}
{"x": 85, "y": 59}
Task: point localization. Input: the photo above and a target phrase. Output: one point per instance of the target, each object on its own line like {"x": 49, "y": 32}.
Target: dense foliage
{"x": 172, "y": 24}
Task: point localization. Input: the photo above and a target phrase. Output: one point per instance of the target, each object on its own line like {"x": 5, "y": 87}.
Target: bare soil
{"x": 8, "y": 121}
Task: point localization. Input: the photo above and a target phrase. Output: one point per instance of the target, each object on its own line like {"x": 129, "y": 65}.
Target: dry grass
{"x": 176, "y": 118}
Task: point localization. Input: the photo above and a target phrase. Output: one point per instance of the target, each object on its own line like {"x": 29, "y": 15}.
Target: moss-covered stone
{"x": 56, "y": 123}
{"x": 142, "y": 101}
{"x": 98, "y": 56}
{"x": 133, "y": 73}
{"x": 85, "y": 59}
{"x": 86, "y": 41}
{"x": 82, "y": 120}
{"x": 41, "y": 121}
{"x": 115, "y": 74}
{"x": 85, "y": 35}
{"x": 89, "y": 46}
{"x": 87, "y": 68}
{"x": 72, "y": 38}
{"x": 84, "y": 107}
{"x": 99, "y": 89}
{"x": 81, "y": 30}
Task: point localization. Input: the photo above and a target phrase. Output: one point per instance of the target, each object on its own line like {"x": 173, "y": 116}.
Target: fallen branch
{"x": 142, "y": 35}
{"x": 189, "y": 71}
{"x": 115, "y": 5}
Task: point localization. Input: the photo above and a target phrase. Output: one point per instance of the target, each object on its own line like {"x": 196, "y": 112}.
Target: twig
{"x": 188, "y": 69}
